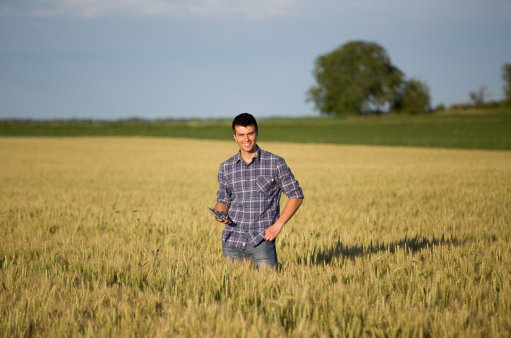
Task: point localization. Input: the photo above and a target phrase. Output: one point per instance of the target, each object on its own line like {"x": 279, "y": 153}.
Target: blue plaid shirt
{"x": 252, "y": 192}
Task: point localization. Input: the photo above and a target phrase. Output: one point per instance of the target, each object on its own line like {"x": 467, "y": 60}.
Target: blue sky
{"x": 113, "y": 59}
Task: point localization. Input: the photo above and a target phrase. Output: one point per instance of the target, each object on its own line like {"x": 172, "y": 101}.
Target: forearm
{"x": 290, "y": 209}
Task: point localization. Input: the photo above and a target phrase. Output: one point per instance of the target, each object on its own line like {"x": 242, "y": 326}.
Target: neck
{"x": 247, "y": 156}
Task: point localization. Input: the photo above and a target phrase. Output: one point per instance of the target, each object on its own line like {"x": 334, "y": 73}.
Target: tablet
{"x": 220, "y": 215}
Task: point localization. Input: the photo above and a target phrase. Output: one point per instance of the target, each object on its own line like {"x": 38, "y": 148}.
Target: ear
{"x": 234, "y": 137}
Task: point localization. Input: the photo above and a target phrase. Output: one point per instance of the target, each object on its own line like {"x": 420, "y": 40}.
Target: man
{"x": 251, "y": 183}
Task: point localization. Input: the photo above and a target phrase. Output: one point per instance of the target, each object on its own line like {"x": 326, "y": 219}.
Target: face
{"x": 246, "y": 138}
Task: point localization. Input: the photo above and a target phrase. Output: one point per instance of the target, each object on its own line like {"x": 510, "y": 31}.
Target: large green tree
{"x": 414, "y": 98}
{"x": 357, "y": 77}
{"x": 506, "y": 75}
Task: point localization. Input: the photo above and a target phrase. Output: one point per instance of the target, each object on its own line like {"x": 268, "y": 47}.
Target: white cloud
{"x": 260, "y": 9}
{"x": 244, "y": 9}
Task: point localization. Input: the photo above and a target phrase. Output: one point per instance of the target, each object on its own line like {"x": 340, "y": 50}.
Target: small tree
{"x": 506, "y": 75}
{"x": 358, "y": 77}
{"x": 479, "y": 97}
{"x": 414, "y": 98}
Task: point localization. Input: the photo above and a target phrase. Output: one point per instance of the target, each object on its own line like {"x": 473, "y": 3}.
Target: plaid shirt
{"x": 252, "y": 192}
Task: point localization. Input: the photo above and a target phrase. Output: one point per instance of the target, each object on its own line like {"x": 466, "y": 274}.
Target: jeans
{"x": 262, "y": 255}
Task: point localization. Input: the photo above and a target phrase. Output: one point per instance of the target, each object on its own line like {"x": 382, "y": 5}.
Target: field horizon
{"x": 473, "y": 129}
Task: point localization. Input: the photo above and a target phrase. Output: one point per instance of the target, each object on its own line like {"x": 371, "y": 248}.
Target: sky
{"x": 115, "y": 59}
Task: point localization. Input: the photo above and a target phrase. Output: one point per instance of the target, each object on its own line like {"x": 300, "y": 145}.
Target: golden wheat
{"x": 111, "y": 237}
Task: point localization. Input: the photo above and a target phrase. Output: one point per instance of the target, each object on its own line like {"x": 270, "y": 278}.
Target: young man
{"x": 251, "y": 183}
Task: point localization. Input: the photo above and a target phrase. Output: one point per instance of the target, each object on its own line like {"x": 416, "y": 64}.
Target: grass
{"x": 111, "y": 237}
{"x": 464, "y": 130}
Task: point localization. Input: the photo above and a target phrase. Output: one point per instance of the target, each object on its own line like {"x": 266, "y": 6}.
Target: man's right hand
{"x": 224, "y": 209}
{"x": 221, "y": 220}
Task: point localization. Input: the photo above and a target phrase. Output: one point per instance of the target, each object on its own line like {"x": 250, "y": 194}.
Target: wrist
{"x": 278, "y": 225}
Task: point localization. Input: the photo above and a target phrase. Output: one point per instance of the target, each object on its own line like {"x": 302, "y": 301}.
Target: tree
{"x": 357, "y": 77}
{"x": 479, "y": 97}
{"x": 414, "y": 98}
{"x": 506, "y": 75}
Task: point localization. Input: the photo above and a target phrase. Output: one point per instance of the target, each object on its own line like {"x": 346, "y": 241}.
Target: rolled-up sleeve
{"x": 224, "y": 194}
{"x": 287, "y": 181}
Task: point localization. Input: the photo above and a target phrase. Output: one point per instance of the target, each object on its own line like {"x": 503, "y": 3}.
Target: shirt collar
{"x": 257, "y": 156}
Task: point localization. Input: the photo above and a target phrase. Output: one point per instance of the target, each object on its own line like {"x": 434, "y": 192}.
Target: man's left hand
{"x": 271, "y": 232}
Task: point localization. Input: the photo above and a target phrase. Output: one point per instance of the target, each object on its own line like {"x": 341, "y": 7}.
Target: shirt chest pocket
{"x": 265, "y": 184}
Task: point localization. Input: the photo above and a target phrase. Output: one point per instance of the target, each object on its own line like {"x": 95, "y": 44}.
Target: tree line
{"x": 359, "y": 78}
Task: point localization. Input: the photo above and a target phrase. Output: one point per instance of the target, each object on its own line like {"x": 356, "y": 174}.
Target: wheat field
{"x": 111, "y": 237}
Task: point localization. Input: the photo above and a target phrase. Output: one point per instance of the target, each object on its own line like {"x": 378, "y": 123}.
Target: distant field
{"x": 111, "y": 237}
{"x": 474, "y": 130}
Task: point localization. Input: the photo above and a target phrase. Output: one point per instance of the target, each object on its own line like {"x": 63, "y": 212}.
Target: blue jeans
{"x": 262, "y": 255}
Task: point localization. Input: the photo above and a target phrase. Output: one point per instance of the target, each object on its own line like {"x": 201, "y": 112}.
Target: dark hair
{"x": 244, "y": 120}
